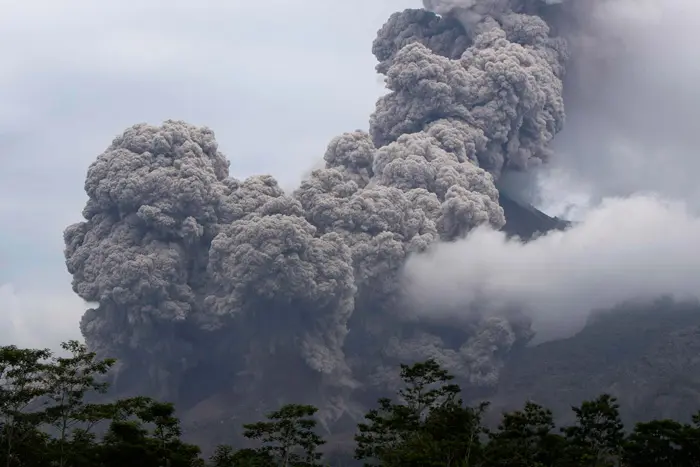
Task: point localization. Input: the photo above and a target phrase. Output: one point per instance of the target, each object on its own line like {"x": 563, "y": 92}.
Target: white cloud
{"x": 625, "y": 249}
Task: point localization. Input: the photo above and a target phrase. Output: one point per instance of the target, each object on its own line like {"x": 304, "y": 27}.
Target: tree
{"x": 129, "y": 442}
{"x": 288, "y": 437}
{"x": 226, "y": 456}
{"x": 223, "y": 456}
{"x": 39, "y": 391}
{"x": 664, "y": 442}
{"x": 428, "y": 426}
{"x": 449, "y": 436}
{"x": 596, "y": 440}
{"x": 126, "y": 443}
{"x": 525, "y": 438}
{"x": 68, "y": 380}
{"x": 170, "y": 450}
{"x": 654, "y": 443}
{"x": 691, "y": 440}
{"x": 21, "y": 384}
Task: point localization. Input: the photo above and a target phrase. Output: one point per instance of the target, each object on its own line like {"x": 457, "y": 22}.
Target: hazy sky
{"x": 276, "y": 80}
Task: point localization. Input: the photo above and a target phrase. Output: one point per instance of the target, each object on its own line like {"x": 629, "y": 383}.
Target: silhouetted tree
{"x": 428, "y": 425}
{"x": 68, "y": 380}
{"x": 288, "y": 436}
{"x": 596, "y": 439}
{"x": 22, "y": 374}
{"x": 46, "y": 421}
{"x": 525, "y": 438}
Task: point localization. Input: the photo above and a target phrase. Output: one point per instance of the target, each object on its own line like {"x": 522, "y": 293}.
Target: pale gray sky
{"x": 275, "y": 79}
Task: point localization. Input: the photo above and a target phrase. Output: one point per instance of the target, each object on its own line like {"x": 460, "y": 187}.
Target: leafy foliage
{"x": 525, "y": 438}
{"x": 430, "y": 426}
{"x": 288, "y": 437}
{"x": 46, "y": 420}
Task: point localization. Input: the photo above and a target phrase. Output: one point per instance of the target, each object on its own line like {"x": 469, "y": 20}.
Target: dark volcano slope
{"x": 525, "y": 221}
{"x": 647, "y": 355}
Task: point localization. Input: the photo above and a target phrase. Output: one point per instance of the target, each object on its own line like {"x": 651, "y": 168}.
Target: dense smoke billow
{"x": 188, "y": 264}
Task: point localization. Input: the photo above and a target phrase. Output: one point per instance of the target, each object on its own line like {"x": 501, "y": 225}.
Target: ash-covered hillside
{"x": 230, "y": 297}
{"x": 645, "y": 354}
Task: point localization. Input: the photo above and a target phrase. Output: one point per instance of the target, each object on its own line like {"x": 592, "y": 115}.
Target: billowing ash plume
{"x": 180, "y": 256}
{"x": 504, "y": 90}
{"x": 171, "y": 241}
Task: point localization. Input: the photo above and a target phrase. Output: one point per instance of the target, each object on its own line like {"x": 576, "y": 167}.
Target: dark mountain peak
{"x": 525, "y": 221}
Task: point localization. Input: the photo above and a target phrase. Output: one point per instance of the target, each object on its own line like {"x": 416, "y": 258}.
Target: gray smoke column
{"x": 153, "y": 204}
{"x": 189, "y": 265}
{"x": 170, "y": 242}
{"x": 469, "y": 12}
{"x": 475, "y": 92}
{"x": 503, "y": 87}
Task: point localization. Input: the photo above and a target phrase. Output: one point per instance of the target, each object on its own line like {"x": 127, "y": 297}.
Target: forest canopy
{"x": 49, "y": 417}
